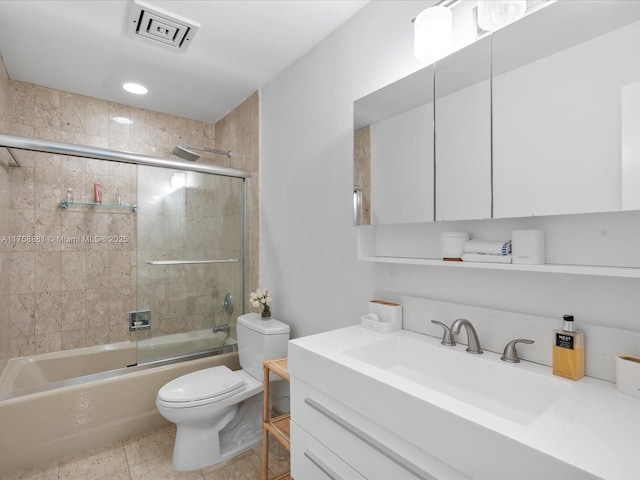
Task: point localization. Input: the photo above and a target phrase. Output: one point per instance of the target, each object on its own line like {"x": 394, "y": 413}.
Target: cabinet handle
{"x": 369, "y": 440}
{"x": 322, "y": 465}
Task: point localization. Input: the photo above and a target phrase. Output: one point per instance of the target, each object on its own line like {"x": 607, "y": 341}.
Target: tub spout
{"x": 222, "y": 328}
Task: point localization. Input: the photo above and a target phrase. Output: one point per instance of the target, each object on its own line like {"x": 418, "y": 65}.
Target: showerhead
{"x": 185, "y": 154}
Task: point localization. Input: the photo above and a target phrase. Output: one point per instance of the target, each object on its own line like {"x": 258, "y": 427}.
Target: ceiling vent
{"x": 160, "y": 26}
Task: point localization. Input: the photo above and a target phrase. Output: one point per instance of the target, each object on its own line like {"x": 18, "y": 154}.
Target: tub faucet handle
{"x": 510, "y": 353}
{"x": 447, "y": 337}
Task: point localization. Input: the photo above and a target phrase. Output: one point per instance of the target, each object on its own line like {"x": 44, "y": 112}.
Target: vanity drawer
{"x": 372, "y": 450}
{"x": 311, "y": 460}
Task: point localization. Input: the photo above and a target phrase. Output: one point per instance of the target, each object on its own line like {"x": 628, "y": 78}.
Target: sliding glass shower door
{"x": 190, "y": 265}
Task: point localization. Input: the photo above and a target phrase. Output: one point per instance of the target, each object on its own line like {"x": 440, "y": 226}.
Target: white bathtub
{"x": 62, "y": 403}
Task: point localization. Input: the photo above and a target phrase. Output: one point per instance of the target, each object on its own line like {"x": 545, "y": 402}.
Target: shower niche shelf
{"x": 66, "y": 204}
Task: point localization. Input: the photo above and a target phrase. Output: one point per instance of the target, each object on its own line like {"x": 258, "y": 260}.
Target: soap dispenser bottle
{"x": 568, "y": 351}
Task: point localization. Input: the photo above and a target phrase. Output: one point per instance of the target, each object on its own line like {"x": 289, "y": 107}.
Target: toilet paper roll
{"x": 527, "y": 247}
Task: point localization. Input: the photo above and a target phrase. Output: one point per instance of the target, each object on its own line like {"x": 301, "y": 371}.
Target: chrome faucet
{"x": 510, "y": 353}
{"x": 473, "y": 344}
{"x": 222, "y": 328}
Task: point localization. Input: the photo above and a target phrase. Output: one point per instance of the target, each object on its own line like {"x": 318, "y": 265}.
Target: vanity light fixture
{"x": 135, "y": 88}
{"x": 495, "y": 14}
{"x": 433, "y": 33}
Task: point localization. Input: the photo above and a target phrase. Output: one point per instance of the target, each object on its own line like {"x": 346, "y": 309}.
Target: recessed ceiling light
{"x": 122, "y": 120}
{"x": 135, "y": 88}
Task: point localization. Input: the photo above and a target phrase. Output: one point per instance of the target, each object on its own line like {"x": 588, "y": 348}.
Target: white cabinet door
{"x": 372, "y": 450}
{"x": 310, "y": 460}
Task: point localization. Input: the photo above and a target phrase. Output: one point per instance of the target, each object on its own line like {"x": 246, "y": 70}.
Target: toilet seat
{"x": 206, "y": 386}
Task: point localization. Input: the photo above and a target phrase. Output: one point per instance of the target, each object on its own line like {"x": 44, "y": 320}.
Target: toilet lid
{"x": 203, "y": 384}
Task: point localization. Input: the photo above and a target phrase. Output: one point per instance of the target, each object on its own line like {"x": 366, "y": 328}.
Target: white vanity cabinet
{"x": 363, "y": 445}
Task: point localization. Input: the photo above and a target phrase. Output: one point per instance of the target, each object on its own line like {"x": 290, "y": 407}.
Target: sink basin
{"x": 518, "y": 392}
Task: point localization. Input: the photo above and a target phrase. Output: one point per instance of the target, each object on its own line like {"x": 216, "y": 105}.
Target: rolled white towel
{"x": 486, "y": 258}
{"x": 483, "y": 246}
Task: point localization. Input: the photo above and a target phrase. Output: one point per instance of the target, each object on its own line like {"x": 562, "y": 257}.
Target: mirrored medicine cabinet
{"x": 542, "y": 117}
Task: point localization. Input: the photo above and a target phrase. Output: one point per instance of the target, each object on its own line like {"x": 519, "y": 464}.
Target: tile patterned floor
{"x": 146, "y": 457}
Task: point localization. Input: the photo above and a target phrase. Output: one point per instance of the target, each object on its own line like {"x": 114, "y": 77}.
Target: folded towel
{"x": 486, "y": 258}
{"x": 484, "y": 246}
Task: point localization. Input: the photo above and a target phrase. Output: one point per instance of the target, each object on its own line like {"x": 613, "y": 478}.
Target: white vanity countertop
{"x": 592, "y": 426}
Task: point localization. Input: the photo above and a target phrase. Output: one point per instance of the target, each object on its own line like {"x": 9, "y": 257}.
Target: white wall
{"x": 308, "y": 243}
{"x": 308, "y": 246}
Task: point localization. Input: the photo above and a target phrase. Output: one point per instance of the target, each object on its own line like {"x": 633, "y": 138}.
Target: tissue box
{"x": 628, "y": 374}
{"x": 528, "y": 247}
{"x": 383, "y": 316}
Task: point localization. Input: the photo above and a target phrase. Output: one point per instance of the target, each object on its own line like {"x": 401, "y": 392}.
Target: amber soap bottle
{"x": 568, "y": 351}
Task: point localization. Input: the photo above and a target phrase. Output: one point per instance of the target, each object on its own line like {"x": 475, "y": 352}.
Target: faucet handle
{"x": 447, "y": 337}
{"x": 510, "y": 353}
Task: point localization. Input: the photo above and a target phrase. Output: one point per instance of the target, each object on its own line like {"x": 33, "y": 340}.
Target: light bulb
{"x": 495, "y": 14}
{"x": 433, "y": 34}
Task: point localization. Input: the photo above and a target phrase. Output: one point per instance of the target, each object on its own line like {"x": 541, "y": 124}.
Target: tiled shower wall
{"x": 4, "y": 214}
{"x": 202, "y": 221}
{"x": 64, "y": 295}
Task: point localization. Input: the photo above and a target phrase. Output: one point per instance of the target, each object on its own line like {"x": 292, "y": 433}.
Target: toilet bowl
{"x": 217, "y": 411}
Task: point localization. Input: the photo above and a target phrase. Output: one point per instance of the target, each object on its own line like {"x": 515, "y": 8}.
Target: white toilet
{"x": 218, "y": 411}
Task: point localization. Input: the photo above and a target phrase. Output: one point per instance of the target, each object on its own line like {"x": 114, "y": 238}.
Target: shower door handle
{"x": 190, "y": 262}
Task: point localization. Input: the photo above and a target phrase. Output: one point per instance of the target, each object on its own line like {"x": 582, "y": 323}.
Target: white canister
{"x": 527, "y": 247}
{"x": 628, "y": 374}
{"x": 451, "y": 245}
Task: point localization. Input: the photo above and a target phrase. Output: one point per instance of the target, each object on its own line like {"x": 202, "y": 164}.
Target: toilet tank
{"x": 260, "y": 340}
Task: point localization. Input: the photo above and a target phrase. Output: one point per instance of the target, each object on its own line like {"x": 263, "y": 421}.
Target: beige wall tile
{"x": 21, "y": 272}
{"x": 21, "y": 187}
{"x": 73, "y": 229}
{"x": 119, "y": 306}
{"x": 73, "y": 274}
{"x": 48, "y": 110}
{"x": 73, "y": 339}
{"x": 48, "y": 313}
{"x": 48, "y": 342}
{"x": 96, "y": 117}
{"x": 22, "y": 103}
{"x": 73, "y": 311}
{"x": 97, "y": 336}
{"x": 48, "y": 271}
{"x": 97, "y": 269}
{"x": 47, "y": 226}
{"x": 23, "y": 315}
{"x": 97, "y": 305}
{"x": 19, "y": 223}
{"x": 47, "y": 188}
{"x": 22, "y": 346}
